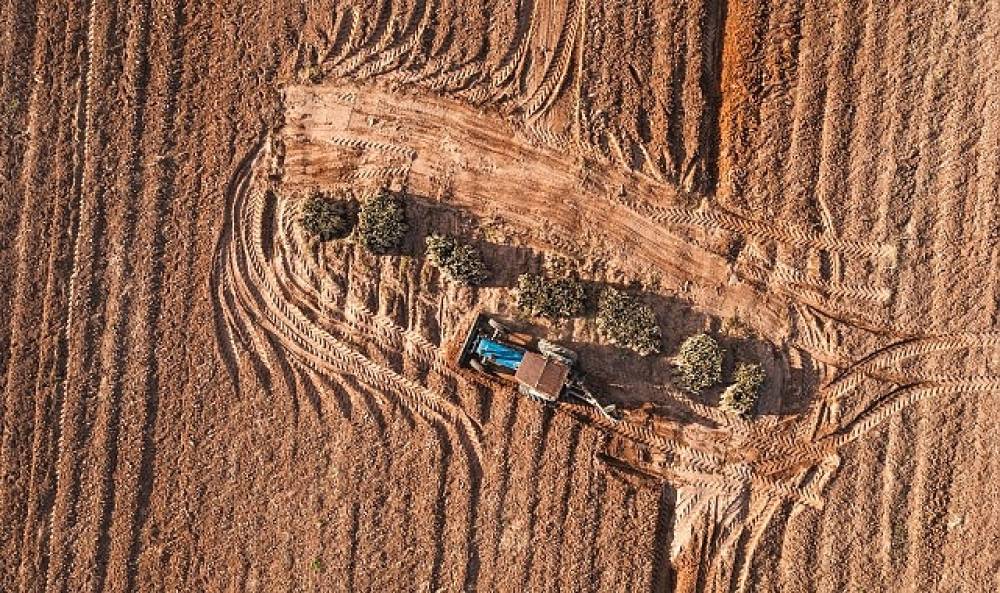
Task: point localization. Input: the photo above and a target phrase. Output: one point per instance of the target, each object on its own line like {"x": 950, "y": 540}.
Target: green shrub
{"x": 382, "y": 223}
{"x": 700, "y": 362}
{"x": 461, "y": 263}
{"x": 326, "y": 218}
{"x": 550, "y": 297}
{"x": 628, "y": 322}
{"x": 741, "y": 397}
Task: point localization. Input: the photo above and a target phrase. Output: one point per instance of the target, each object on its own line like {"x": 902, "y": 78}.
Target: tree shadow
{"x": 621, "y": 376}
{"x": 617, "y": 374}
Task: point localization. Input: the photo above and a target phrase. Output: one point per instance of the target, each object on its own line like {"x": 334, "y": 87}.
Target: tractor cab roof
{"x": 543, "y": 375}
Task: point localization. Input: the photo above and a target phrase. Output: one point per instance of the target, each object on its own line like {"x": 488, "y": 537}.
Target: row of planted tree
{"x": 379, "y": 224}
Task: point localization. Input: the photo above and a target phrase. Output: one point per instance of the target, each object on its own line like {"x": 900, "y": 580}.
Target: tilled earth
{"x": 195, "y": 396}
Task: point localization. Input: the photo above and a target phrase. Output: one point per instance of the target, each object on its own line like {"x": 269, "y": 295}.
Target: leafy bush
{"x": 459, "y": 262}
{"x": 741, "y": 396}
{"x": 628, "y": 322}
{"x": 550, "y": 297}
{"x": 382, "y": 223}
{"x": 326, "y": 218}
{"x": 700, "y": 362}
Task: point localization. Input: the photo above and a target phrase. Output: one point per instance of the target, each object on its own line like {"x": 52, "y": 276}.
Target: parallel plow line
{"x": 717, "y": 218}
{"x": 30, "y": 369}
{"x": 557, "y": 67}
{"x": 65, "y": 491}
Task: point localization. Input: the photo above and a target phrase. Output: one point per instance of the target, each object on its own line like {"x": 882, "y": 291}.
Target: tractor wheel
{"x": 562, "y": 353}
{"x": 498, "y": 327}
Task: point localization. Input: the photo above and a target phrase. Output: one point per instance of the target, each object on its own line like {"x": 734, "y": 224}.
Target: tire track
{"x": 424, "y": 400}
{"x": 383, "y": 35}
{"x": 19, "y": 364}
{"x": 728, "y": 221}
{"x": 575, "y": 549}
{"x": 342, "y": 36}
{"x": 27, "y": 365}
{"x": 258, "y": 289}
{"x": 373, "y": 490}
{"x": 610, "y": 519}
{"x": 809, "y": 104}
{"x": 104, "y": 455}
{"x": 386, "y": 61}
{"x": 564, "y": 480}
{"x": 440, "y": 510}
{"x": 555, "y": 70}
{"x": 915, "y": 218}
{"x": 510, "y": 540}
{"x": 494, "y": 527}
{"x": 892, "y": 488}
{"x": 880, "y": 411}
{"x": 780, "y": 72}
{"x": 930, "y": 487}
{"x": 542, "y": 445}
{"x": 889, "y": 358}
{"x": 596, "y": 497}
{"x": 954, "y": 208}
{"x": 80, "y": 378}
{"x": 473, "y": 563}
{"x": 870, "y": 123}
{"x": 842, "y": 84}
{"x": 896, "y": 183}
{"x": 51, "y": 359}
{"x": 20, "y": 55}
{"x": 987, "y": 181}
{"x": 137, "y": 510}
{"x": 875, "y": 471}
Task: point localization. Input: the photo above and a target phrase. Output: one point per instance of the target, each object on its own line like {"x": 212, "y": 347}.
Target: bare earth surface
{"x": 195, "y": 396}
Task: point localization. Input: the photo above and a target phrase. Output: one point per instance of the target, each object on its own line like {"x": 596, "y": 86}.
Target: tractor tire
{"x": 558, "y": 352}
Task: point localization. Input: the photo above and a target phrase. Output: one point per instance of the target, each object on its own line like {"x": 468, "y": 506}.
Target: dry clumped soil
{"x": 195, "y": 395}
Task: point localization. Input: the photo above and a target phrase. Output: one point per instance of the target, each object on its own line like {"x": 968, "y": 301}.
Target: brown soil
{"x": 196, "y": 396}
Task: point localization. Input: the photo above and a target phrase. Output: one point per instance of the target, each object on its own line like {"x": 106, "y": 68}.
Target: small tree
{"x": 550, "y": 297}
{"x": 628, "y": 322}
{"x": 459, "y": 262}
{"x": 382, "y": 223}
{"x": 700, "y": 362}
{"x": 326, "y": 218}
{"x": 741, "y": 397}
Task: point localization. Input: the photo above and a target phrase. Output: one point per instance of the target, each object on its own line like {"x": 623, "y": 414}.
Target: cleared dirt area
{"x": 198, "y": 396}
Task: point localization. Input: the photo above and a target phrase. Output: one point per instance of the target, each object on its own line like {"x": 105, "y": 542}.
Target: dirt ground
{"x": 196, "y": 396}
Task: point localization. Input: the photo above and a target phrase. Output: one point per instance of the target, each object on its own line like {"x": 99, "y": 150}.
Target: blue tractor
{"x": 544, "y": 373}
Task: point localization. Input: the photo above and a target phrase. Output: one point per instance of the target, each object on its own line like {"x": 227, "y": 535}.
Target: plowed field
{"x": 197, "y": 396}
